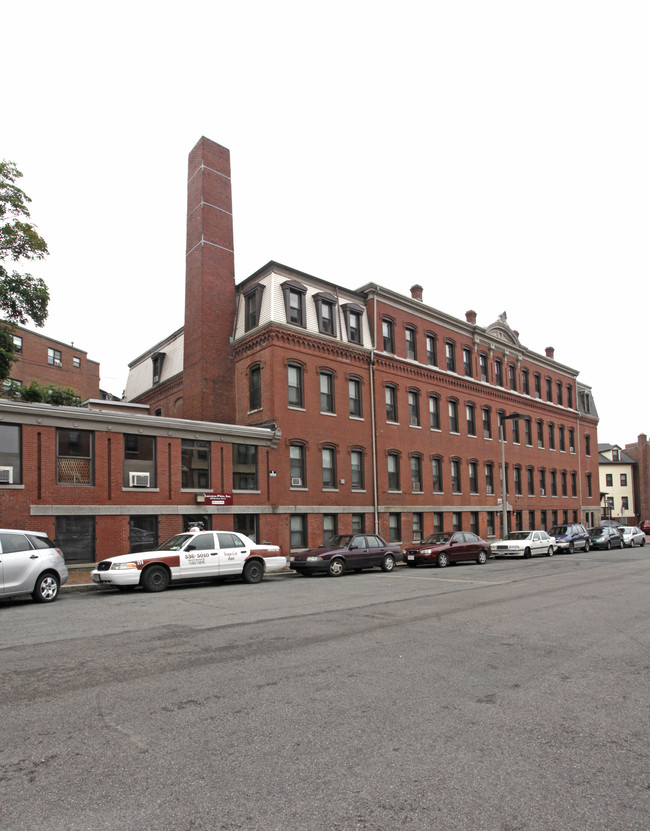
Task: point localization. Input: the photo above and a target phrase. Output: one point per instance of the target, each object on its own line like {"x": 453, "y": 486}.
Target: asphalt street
{"x": 507, "y": 697}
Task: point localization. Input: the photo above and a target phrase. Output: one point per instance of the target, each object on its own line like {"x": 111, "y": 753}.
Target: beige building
{"x": 616, "y": 474}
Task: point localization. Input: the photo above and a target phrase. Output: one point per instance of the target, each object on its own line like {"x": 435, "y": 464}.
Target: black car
{"x": 346, "y": 552}
{"x": 605, "y": 537}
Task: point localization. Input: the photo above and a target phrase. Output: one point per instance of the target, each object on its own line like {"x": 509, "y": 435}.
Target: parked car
{"x": 345, "y": 552}
{"x": 443, "y": 548}
{"x": 524, "y": 544}
{"x": 190, "y": 556}
{"x": 632, "y": 535}
{"x": 30, "y": 563}
{"x": 605, "y": 536}
{"x": 570, "y": 537}
{"x": 645, "y": 526}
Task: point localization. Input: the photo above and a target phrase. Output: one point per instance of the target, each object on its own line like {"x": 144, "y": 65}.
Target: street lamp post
{"x": 504, "y": 489}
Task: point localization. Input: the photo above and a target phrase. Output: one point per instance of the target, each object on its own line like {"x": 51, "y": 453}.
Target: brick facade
{"x": 639, "y": 451}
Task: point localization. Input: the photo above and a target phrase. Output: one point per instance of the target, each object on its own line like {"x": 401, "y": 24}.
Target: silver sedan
{"x": 632, "y": 535}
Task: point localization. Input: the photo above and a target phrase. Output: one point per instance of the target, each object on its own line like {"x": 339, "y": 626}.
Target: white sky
{"x": 497, "y": 153}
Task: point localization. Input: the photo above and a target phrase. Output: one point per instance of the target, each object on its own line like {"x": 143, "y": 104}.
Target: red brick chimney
{"x": 550, "y": 352}
{"x": 470, "y": 316}
{"x": 208, "y": 366}
{"x": 416, "y": 292}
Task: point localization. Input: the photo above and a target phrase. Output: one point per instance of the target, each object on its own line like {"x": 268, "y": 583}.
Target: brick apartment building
{"x": 390, "y": 411}
{"x": 48, "y": 361}
{"x": 639, "y": 452}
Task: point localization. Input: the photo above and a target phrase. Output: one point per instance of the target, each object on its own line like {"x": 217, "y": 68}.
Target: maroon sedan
{"x": 347, "y": 552}
{"x": 442, "y": 548}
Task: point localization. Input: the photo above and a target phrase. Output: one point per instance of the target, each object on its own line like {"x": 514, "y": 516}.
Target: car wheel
{"x": 527, "y": 554}
{"x": 609, "y": 545}
{"x": 388, "y": 563}
{"x": 587, "y": 546}
{"x": 336, "y": 567}
{"x": 642, "y": 543}
{"x": 443, "y": 559}
{"x": 155, "y": 579}
{"x": 549, "y": 553}
{"x": 572, "y": 548}
{"x": 46, "y": 589}
{"x": 253, "y": 572}
{"x": 482, "y": 558}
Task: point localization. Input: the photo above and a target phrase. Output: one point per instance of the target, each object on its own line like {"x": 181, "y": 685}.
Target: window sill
{"x": 13, "y": 486}
{"x": 247, "y": 490}
{"x": 325, "y": 413}
{"x": 137, "y": 490}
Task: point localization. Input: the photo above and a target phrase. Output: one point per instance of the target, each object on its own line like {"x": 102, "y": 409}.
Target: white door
{"x": 232, "y": 553}
{"x": 199, "y": 557}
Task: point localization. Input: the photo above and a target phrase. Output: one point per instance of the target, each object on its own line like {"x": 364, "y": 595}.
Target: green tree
{"x": 22, "y": 296}
{"x": 48, "y": 394}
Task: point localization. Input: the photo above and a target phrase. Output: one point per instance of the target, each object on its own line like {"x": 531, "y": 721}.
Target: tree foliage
{"x": 48, "y": 394}
{"x": 22, "y": 296}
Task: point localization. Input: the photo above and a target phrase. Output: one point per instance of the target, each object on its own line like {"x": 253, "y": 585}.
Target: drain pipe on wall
{"x": 375, "y": 498}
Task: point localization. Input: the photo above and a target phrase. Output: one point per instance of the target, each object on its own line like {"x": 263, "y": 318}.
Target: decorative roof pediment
{"x": 502, "y": 331}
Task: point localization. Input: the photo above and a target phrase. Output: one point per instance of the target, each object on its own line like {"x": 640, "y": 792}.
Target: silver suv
{"x": 30, "y": 564}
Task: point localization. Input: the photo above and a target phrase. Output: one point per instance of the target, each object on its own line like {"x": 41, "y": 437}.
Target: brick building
{"x": 639, "y": 452}
{"x": 390, "y": 410}
{"x": 48, "y": 361}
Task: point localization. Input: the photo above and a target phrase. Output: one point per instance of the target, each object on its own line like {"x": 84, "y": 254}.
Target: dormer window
{"x": 252, "y": 307}
{"x": 353, "y": 315}
{"x": 294, "y": 302}
{"x": 326, "y": 313}
{"x": 157, "y": 365}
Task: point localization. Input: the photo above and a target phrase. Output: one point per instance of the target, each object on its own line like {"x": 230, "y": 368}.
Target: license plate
{"x": 410, "y": 557}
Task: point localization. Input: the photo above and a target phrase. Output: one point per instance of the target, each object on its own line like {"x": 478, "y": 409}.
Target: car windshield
{"x": 341, "y": 541}
{"x": 174, "y": 543}
{"x": 436, "y": 539}
{"x": 519, "y": 535}
{"x": 596, "y": 532}
{"x": 558, "y": 529}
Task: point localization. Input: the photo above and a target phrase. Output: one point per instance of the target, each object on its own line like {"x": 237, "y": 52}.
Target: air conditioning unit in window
{"x": 57, "y": 362}
{"x": 572, "y": 450}
{"x": 296, "y": 482}
{"x": 542, "y": 492}
{"x": 6, "y": 475}
{"x": 139, "y": 480}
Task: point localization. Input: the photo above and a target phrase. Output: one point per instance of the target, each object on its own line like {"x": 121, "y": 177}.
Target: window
{"x": 244, "y": 467}
{"x": 295, "y": 380}
{"x": 563, "y": 481}
{"x": 623, "y": 480}
{"x": 294, "y": 302}
{"x": 328, "y": 458}
{"x": 18, "y": 344}
{"x": 589, "y": 489}
{"x": 512, "y": 376}
{"x": 553, "y": 483}
{"x": 625, "y": 503}
{"x": 438, "y": 521}
{"x": 414, "y": 408}
{"x": 559, "y": 388}
{"x": 572, "y": 443}
{"x": 357, "y": 479}
{"x": 388, "y": 335}
{"x": 434, "y": 412}
{"x": 543, "y": 522}
{"x": 517, "y": 482}
{"x": 252, "y": 307}
{"x": 530, "y": 476}
{"x": 450, "y": 354}
{"x": 560, "y": 438}
{"x": 297, "y": 465}
{"x": 391, "y": 403}
{"x": 470, "y": 413}
{"x": 542, "y": 482}
{"x": 551, "y": 436}
{"x": 531, "y": 519}
{"x": 74, "y": 457}
{"x": 549, "y": 389}
{"x": 76, "y": 362}
{"x": 255, "y": 388}
{"x": 75, "y": 535}
{"x": 609, "y": 480}
{"x": 519, "y": 521}
{"x": 416, "y": 473}
{"x": 326, "y": 392}
{"x": 455, "y": 476}
{"x": 54, "y": 357}
{"x": 528, "y": 430}
{"x": 354, "y": 397}
{"x": 588, "y": 444}
{"x": 394, "y": 527}
{"x": 473, "y": 477}
{"x": 143, "y": 533}
{"x": 467, "y": 362}
{"x": 358, "y": 523}
{"x": 195, "y": 464}
{"x": 297, "y": 526}
{"x": 487, "y": 423}
{"x": 574, "y": 484}
{"x": 330, "y": 526}
{"x": 326, "y": 313}
{"x": 490, "y": 523}
{"x": 417, "y": 527}
{"x": 453, "y": 416}
{"x": 157, "y": 361}
{"x": 432, "y": 351}
{"x": 436, "y": 467}
{"x": 10, "y": 454}
{"x": 525, "y": 382}
{"x": 540, "y": 433}
{"x": 393, "y": 472}
{"x": 473, "y": 522}
{"x": 483, "y": 366}
{"x": 457, "y": 521}
{"x": 538, "y": 385}
{"x": 515, "y": 431}
{"x": 498, "y": 373}
{"x": 139, "y": 467}
{"x": 569, "y": 396}
{"x": 615, "y": 455}
{"x": 489, "y": 478}
{"x": 353, "y": 316}
{"x": 411, "y": 350}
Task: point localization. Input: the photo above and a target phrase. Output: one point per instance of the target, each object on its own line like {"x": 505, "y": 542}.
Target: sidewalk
{"x": 79, "y": 575}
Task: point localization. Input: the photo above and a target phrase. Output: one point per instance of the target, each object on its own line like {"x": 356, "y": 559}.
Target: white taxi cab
{"x": 190, "y": 556}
